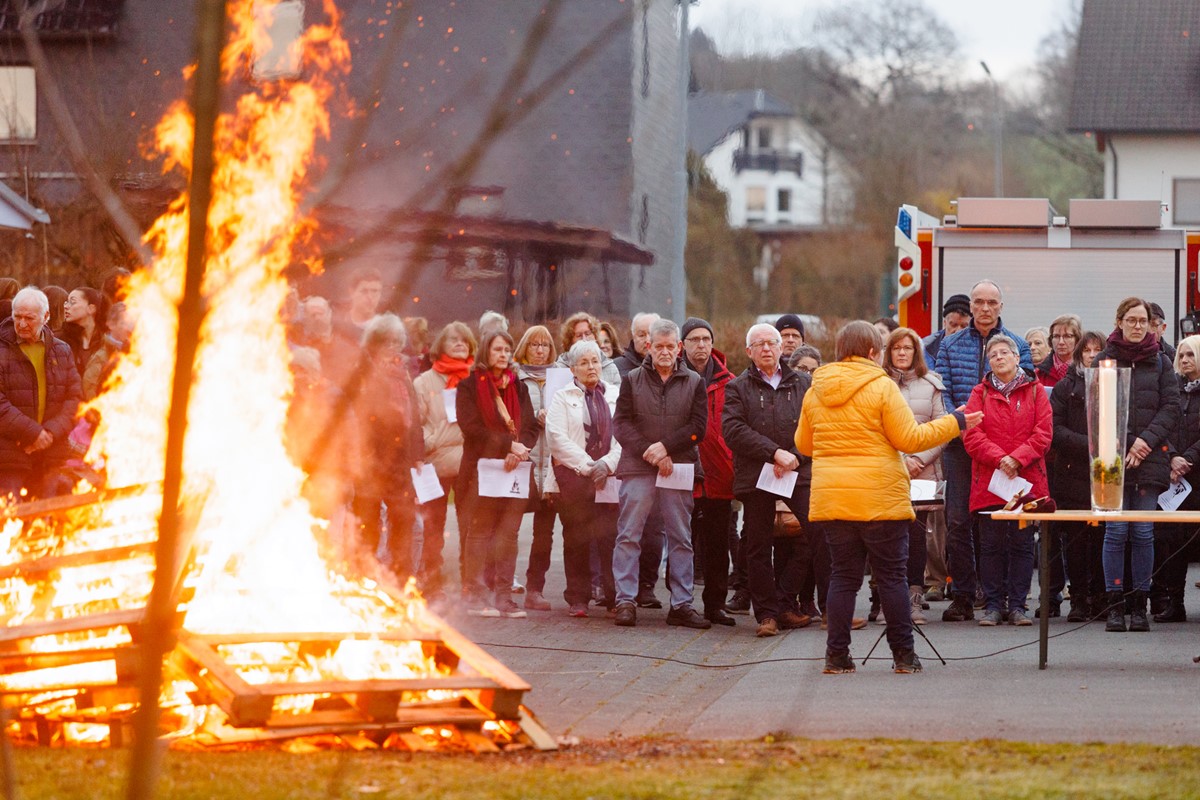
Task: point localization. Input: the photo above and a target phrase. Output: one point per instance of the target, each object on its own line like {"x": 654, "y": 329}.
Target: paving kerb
{"x": 1097, "y": 687}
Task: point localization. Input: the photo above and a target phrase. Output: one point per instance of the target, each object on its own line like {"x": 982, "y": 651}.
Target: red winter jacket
{"x": 715, "y": 455}
{"x": 1020, "y": 425}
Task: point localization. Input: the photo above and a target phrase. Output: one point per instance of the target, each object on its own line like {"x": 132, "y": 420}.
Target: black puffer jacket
{"x": 1153, "y": 416}
{"x": 649, "y": 410}
{"x": 1070, "y": 485}
{"x": 760, "y": 420}
{"x": 19, "y": 402}
{"x": 628, "y": 361}
{"x": 1186, "y": 441}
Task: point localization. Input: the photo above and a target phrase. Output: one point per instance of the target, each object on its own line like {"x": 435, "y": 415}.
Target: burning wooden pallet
{"x": 59, "y": 671}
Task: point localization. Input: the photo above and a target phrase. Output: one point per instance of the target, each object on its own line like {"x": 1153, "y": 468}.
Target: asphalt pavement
{"x": 592, "y": 679}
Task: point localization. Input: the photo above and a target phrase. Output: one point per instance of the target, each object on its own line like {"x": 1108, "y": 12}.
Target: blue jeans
{"x": 639, "y": 496}
{"x": 960, "y": 543}
{"x": 1005, "y": 564}
{"x": 1140, "y": 534}
{"x": 886, "y": 541}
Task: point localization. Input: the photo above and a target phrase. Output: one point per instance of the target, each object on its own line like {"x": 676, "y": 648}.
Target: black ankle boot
{"x": 1116, "y": 612}
{"x": 1138, "y": 621}
{"x": 1174, "y": 612}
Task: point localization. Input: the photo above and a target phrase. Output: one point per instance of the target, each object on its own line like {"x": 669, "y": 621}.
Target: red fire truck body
{"x": 1046, "y": 265}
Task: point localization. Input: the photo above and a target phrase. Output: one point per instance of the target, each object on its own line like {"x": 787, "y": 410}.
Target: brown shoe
{"x": 768, "y": 627}
{"x": 856, "y": 624}
{"x": 790, "y": 620}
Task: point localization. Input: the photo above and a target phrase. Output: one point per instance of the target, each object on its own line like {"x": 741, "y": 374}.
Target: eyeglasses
{"x": 904, "y": 348}
{"x": 763, "y": 344}
{"x": 1063, "y": 337}
{"x": 542, "y": 345}
{"x": 699, "y": 339}
{"x": 1136, "y": 322}
{"x": 1000, "y": 352}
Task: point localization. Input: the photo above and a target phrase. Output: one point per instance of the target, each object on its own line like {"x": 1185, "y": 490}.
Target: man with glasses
{"x": 713, "y": 498}
{"x": 791, "y": 328}
{"x": 762, "y": 409}
{"x": 961, "y": 363}
{"x": 39, "y": 395}
{"x": 660, "y": 419}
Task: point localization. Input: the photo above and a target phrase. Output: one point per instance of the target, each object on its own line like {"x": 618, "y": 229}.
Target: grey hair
{"x": 1043, "y": 331}
{"x": 639, "y": 316}
{"x": 1000, "y": 338}
{"x": 987, "y": 282}
{"x": 664, "y": 327}
{"x": 581, "y": 349}
{"x": 492, "y": 319}
{"x": 760, "y": 327}
{"x": 380, "y": 329}
{"x": 36, "y": 295}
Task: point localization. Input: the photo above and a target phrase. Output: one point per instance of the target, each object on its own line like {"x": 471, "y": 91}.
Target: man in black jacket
{"x": 762, "y": 408}
{"x": 661, "y": 417}
{"x": 39, "y": 395}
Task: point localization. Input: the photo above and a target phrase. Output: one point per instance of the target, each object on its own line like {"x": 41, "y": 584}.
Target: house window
{"x": 764, "y": 138}
{"x": 783, "y": 201}
{"x": 756, "y": 202}
{"x": 284, "y": 25}
{"x": 18, "y": 104}
{"x": 1187, "y": 201}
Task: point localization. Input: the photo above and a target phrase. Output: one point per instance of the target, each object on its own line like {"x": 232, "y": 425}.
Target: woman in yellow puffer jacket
{"x": 855, "y": 424}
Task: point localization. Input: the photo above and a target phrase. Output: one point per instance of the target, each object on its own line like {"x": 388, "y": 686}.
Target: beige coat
{"x": 443, "y": 438}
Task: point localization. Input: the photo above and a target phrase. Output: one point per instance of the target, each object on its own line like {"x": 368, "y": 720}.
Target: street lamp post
{"x": 999, "y": 134}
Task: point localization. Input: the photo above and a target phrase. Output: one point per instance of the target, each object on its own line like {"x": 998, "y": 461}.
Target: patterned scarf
{"x": 1007, "y": 388}
{"x": 597, "y": 421}
{"x": 499, "y": 401}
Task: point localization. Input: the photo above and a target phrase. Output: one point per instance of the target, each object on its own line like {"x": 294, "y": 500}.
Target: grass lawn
{"x": 643, "y": 768}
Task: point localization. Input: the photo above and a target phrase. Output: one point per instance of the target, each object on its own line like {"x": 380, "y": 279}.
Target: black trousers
{"x": 710, "y": 540}
{"x": 773, "y": 586}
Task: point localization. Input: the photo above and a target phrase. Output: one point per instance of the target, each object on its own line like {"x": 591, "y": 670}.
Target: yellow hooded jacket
{"x": 855, "y": 424}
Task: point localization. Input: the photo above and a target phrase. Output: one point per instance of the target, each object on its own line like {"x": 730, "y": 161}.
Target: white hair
{"x": 763, "y": 327}
{"x": 664, "y": 327}
{"x": 581, "y": 349}
{"x": 383, "y": 329}
{"x": 32, "y": 294}
{"x": 490, "y": 320}
{"x": 633, "y": 323}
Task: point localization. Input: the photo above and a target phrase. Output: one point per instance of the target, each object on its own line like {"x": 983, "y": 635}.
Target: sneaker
{"x": 578, "y": 611}
{"x": 598, "y": 595}
{"x": 517, "y": 587}
{"x": 510, "y": 610}
{"x": 739, "y": 603}
{"x": 768, "y": 627}
{"x": 687, "y": 617}
{"x": 536, "y": 601}
{"x": 626, "y": 615}
{"x": 980, "y": 600}
{"x": 917, "y": 607}
{"x": 838, "y": 664}
{"x": 879, "y": 619}
{"x": 960, "y": 610}
{"x": 1018, "y": 617}
{"x": 935, "y": 595}
{"x": 990, "y": 619}
{"x": 647, "y": 599}
{"x": 905, "y": 662}
{"x": 481, "y": 608}
{"x": 856, "y": 623}
{"x": 790, "y": 621}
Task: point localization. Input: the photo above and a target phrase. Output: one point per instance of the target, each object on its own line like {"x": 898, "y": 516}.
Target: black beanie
{"x": 691, "y": 323}
{"x": 957, "y": 302}
{"x": 789, "y": 321}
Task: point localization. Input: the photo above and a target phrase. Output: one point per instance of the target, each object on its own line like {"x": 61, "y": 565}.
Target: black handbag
{"x": 573, "y": 487}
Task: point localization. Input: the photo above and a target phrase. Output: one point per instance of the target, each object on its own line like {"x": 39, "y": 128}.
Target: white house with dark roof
{"x": 778, "y": 172}
{"x": 1137, "y": 90}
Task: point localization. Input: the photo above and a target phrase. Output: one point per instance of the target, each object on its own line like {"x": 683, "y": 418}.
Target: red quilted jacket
{"x": 1020, "y": 425}
{"x": 715, "y": 455}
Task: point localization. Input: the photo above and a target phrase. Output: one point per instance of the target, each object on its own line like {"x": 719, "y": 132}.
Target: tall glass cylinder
{"x": 1108, "y": 417}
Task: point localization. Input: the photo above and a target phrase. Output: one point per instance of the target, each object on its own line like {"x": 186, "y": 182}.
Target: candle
{"x": 1107, "y": 399}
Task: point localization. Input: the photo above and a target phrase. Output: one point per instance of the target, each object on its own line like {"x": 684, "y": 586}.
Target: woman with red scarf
{"x": 497, "y": 422}
{"x": 452, "y": 355}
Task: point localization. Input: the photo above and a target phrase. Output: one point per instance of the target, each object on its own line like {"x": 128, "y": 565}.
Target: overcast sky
{"x": 1004, "y": 33}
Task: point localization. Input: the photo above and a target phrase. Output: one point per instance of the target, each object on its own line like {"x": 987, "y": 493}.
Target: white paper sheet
{"x": 426, "y": 484}
{"x": 556, "y": 378}
{"x": 609, "y": 494}
{"x": 683, "y": 477}
{"x": 450, "y": 403}
{"x": 923, "y": 491}
{"x": 781, "y": 486}
{"x": 1007, "y": 488}
{"x": 495, "y": 482}
{"x": 1173, "y": 497}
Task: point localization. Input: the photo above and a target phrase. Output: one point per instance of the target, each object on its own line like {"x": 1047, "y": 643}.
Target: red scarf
{"x": 455, "y": 369}
{"x": 1129, "y": 351}
{"x": 499, "y": 401}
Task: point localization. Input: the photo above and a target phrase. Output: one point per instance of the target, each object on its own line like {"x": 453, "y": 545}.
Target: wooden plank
{"x": 405, "y": 718}
{"x": 1096, "y": 518}
{"x": 539, "y": 737}
{"x": 84, "y": 558}
{"x": 217, "y": 639}
{"x": 479, "y": 660}
{"x": 57, "y": 627}
{"x": 58, "y": 505}
{"x": 449, "y": 683}
{"x": 28, "y": 662}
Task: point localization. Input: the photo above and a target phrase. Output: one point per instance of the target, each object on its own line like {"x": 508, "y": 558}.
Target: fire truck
{"x": 1045, "y": 264}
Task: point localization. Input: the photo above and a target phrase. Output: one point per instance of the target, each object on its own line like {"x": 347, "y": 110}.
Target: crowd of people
{"x": 772, "y": 492}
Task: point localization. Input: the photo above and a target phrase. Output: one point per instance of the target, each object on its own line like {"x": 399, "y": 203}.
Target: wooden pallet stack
{"x": 75, "y": 662}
